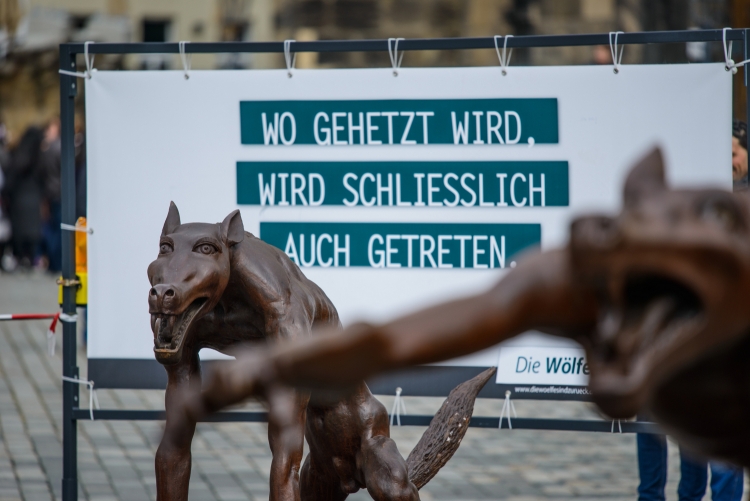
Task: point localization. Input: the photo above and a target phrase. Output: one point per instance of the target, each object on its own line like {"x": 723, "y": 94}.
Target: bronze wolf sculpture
{"x": 657, "y": 295}
{"x": 214, "y": 286}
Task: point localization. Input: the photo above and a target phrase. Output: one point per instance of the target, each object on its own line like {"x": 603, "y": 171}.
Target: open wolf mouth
{"x": 651, "y": 317}
{"x": 170, "y": 331}
{"x": 660, "y": 307}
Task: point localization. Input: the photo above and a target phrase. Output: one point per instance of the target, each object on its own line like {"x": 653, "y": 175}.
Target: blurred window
{"x": 234, "y": 31}
{"x": 156, "y": 30}
{"x": 79, "y": 22}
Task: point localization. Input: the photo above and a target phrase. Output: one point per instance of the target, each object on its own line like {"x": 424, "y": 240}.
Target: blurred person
{"x": 739, "y": 154}
{"x": 4, "y": 223}
{"x": 80, "y": 160}
{"x": 601, "y": 55}
{"x": 6, "y": 259}
{"x": 727, "y": 481}
{"x": 50, "y": 163}
{"x": 25, "y": 189}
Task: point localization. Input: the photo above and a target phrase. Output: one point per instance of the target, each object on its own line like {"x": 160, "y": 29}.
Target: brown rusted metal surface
{"x": 216, "y": 286}
{"x": 447, "y": 429}
{"x": 671, "y": 276}
{"x": 657, "y": 295}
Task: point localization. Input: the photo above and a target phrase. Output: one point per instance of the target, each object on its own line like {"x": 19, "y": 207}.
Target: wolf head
{"x": 188, "y": 278}
{"x": 672, "y": 272}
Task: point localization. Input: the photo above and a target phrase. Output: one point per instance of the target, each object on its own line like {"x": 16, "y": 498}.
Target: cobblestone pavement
{"x": 231, "y": 461}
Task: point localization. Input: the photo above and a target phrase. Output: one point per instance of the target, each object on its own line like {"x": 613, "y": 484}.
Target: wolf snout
{"x": 162, "y": 297}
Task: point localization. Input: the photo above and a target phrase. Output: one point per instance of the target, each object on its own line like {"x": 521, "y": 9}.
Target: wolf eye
{"x": 722, "y": 212}
{"x": 165, "y": 248}
{"x": 206, "y": 249}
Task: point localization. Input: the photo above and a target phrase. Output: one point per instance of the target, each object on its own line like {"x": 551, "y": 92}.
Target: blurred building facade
{"x": 30, "y": 31}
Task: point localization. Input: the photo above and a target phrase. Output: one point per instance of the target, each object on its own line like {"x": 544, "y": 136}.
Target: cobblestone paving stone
{"x": 231, "y": 461}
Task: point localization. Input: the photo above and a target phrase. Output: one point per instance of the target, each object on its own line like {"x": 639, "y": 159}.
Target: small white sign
{"x": 542, "y": 366}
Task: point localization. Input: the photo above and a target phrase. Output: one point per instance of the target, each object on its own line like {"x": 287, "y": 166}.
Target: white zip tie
{"x": 93, "y": 399}
{"x": 508, "y": 406}
{"x": 290, "y": 60}
{"x": 64, "y": 317}
{"x": 185, "y": 59}
{"x": 616, "y": 52}
{"x": 51, "y": 339}
{"x": 504, "y": 57}
{"x": 729, "y": 64}
{"x": 619, "y": 423}
{"x": 51, "y": 342}
{"x": 393, "y": 53}
{"x": 89, "y": 65}
{"x": 71, "y": 227}
{"x": 398, "y": 408}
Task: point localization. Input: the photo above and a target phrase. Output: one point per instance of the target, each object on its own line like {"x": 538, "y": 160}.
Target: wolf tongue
{"x": 636, "y": 333}
{"x": 165, "y": 327}
{"x": 654, "y": 316}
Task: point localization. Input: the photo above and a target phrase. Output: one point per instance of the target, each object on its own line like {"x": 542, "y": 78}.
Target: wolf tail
{"x": 442, "y": 438}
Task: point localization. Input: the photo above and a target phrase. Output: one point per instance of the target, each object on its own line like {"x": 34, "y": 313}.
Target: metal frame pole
{"x": 747, "y": 75}
{"x": 68, "y": 88}
{"x": 409, "y": 44}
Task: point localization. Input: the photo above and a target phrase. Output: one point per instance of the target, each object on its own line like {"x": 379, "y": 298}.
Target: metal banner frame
{"x": 68, "y": 90}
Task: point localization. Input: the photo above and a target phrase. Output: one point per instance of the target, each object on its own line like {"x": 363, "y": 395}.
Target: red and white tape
{"x": 42, "y": 316}
{"x": 28, "y": 316}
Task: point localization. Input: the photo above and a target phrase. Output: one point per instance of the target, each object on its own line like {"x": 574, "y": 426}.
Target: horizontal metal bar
{"x": 149, "y": 415}
{"x": 646, "y": 37}
{"x": 567, "y": 425}
{"x": 406, "y": 420}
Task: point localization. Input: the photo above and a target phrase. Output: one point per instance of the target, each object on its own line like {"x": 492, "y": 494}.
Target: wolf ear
{"x": 173, "y": 220}
{"x": 232, "y": 229}
{"x": 646, "y": 178}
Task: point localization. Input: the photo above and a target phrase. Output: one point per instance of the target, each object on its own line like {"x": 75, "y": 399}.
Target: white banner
{"x": 390, "y": 192}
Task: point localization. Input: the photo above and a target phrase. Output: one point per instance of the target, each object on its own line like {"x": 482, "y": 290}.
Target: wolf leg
{"x": 173, "y": 457}
{"x": 287, "y": 446}
{"x": 385, "y": 471}
{"x": 317, "y": 484}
